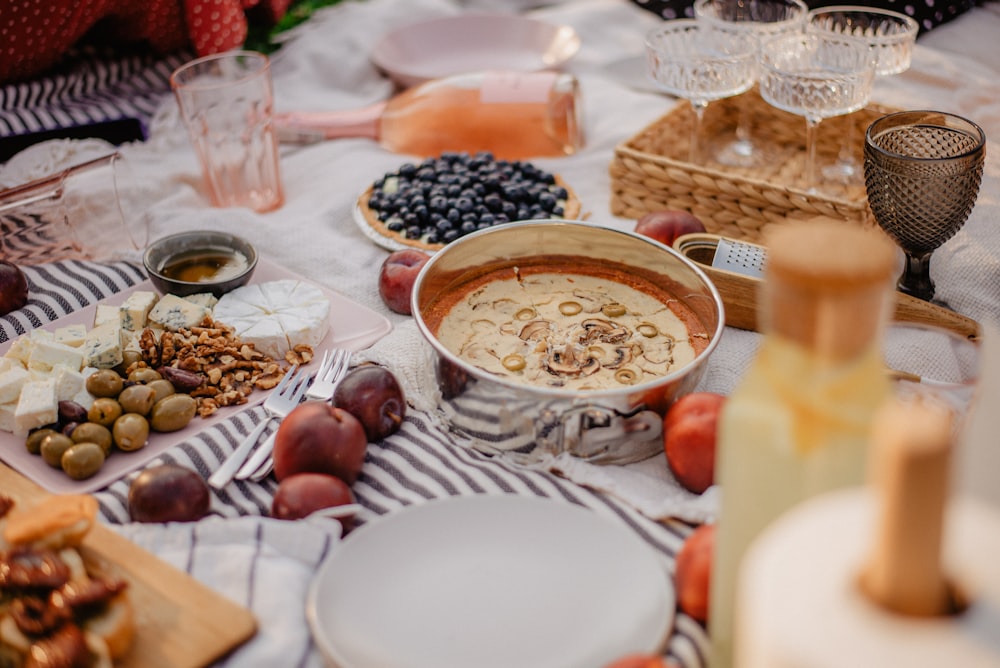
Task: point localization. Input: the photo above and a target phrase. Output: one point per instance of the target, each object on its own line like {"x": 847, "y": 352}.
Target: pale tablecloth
{"x": 324, "y": 65}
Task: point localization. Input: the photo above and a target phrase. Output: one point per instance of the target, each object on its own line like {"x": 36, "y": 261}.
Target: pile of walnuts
{"x": 232, "y": 369}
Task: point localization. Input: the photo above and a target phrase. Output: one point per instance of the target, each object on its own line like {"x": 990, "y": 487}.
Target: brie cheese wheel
{"x": 276, "y": 316}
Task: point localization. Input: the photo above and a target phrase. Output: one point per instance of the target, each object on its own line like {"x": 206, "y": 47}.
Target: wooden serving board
{"x": 739, "y": 293}
{"x": 179, "y": 621}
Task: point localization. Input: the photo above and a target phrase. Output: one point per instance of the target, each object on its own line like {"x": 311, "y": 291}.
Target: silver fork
{"x": 332, "y": 370}
{"x": 285, "y": 396}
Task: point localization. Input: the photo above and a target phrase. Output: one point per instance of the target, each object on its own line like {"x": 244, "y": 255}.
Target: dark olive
{"x": 183, "y": 380}
{"x": 105, "y": 410}
{"x": 137, "y": 399}
{"x": 104, "y": 383}
{"x": 70, "y": 411}
{"x": 82, "y": 460}
{"x": 53, "y": 447}
{"x": 172, "y": 413}
{"x": 34, "y": 441}
{"x": 131, "y": 431}
{"x": 91, "y": 432}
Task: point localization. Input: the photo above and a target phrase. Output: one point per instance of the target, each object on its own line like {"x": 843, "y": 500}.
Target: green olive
{"x": 34, "y": 441}
{"x": 513, "y": 362}
{"x": 137, "y": 399}
{"x": 626, "y": 376}
{"x": 161, "y": 388}
{"x": 570, "y": 308}
{"x": 131, "y": 431}
{"x": 105, "y": 410}
{"x": 52, "y": 448}
{"x": 614, "y": 310}
{"x": 130, "y": 357}
{"x": 527, "y": 313}
{"x": 91, "y": 432}
{"x": 647, "y": 329}
{"x": 104, "y": 383}
{"x": 82, "y": 460}
{"x": 144, "y": 375}
{"x": 173, "y": 412}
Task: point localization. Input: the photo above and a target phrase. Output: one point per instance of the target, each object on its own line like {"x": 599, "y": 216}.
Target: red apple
{"x": 694, "y": 572}
{"x": 13, "y": 288}
{"x": 665, "y": 226}
{"x": 395, "y": 279}
{"x": 319, "y": 438}
{"x": 689, "y": 435}
{"x": 302, "y": 494}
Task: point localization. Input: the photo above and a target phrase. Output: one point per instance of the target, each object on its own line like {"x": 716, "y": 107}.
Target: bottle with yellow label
{"x": 798, "y": 422}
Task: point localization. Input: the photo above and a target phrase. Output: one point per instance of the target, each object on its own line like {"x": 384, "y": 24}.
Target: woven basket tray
{"x": 651, "y": 170}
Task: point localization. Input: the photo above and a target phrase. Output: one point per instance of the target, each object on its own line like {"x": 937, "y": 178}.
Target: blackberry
{"x": 441, "y": 199}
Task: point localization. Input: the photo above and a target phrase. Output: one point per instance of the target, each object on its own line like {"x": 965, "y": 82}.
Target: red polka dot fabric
{"x": 34, "y": 34}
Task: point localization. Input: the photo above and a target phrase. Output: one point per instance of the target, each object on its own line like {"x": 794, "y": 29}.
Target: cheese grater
{"x": 736, "y": 268}
{"x": 740, "y": 257}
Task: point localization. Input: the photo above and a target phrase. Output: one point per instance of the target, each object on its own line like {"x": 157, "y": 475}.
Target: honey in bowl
{"x": 203, "y": 266}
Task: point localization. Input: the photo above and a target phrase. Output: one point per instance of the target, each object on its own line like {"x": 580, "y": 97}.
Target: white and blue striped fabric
{"x": 417, "y": 464}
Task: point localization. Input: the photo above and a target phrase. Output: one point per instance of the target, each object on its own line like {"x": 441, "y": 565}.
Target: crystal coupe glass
{"x": 891, "y": 36}
{"x": 816, "y": 76}
{"x": 922, "y": 175}
{"x": 692, "y": 60}
{"x": 764, "y": 19}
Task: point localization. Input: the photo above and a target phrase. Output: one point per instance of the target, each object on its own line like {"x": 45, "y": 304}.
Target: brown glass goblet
{"x": 922, "y": 175}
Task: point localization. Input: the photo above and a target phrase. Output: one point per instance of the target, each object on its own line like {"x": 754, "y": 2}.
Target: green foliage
{"x": 265, "y": 38}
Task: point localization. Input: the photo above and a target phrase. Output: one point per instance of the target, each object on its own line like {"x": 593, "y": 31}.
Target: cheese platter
{"x": 351, "y": 326}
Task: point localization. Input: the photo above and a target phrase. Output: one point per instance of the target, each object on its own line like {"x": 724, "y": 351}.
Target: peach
{"x": 689, "y": 437}
{"x": 665, "y": 226}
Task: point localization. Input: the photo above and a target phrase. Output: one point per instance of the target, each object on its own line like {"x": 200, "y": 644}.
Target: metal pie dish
{"x": 163, "y": 252}
{"x": 533, "y": 423}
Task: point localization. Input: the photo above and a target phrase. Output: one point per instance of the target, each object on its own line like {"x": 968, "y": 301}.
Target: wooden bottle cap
{"x": 828, "y": 284}
{"x": 911, "y": 448}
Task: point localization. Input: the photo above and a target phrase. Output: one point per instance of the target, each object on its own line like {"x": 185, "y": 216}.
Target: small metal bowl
{"x": 163, "y": 256}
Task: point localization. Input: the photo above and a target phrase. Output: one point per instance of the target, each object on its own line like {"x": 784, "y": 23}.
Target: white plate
{"x": 352, "y": 326}
{"x": 490, "y": 582}
{"x": 440, "y": 47}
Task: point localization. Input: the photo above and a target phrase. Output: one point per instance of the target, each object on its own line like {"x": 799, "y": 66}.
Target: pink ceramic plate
{"x": 352, "y": 326}
{"x": 440, "y": 47}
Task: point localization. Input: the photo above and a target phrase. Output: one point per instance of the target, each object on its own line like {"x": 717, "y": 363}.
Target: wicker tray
{"x": 651, "y": 170}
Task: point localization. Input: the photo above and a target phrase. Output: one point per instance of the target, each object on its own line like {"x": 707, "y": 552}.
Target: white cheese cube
{"x": 68, "y": 382}
{"x": 20, "y": 350}
{"x": 36, "y": 407}
{"x": 11, "y": 382}
{"x": 135, "y": 310}
{"x": 47, "y": 354}
{"x": 103, "y": 347}
{"x": 174, "y": 313}
{"x": 7, "y": 416}
{"x": 37, "y": 335}
{"x": 71, "y": 335}
{"x": 105, "y": 314}
{"x": 6, "y": 364}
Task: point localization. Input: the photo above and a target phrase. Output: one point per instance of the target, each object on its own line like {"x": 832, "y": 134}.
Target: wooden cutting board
{"x": 179, "y": 621}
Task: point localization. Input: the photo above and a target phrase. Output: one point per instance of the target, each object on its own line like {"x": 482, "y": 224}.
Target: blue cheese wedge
{"x": 106, "y": 313}
{"x": 276, "y": 316}
{"x": 103, "y": 347}
{"x": 135, "y": 310}
{"x": 174, "y": 313}
{"x": 71, "y": 335}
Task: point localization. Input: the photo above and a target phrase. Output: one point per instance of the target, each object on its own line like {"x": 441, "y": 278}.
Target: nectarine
{"x": 694, "y": 572}
{"x": 689, "y": 436}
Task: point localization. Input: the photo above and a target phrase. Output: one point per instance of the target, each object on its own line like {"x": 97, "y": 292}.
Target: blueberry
{"x": 454, "y": 215}
{"x": 394, "y": 224}
{"x": 493, "y": 202}
{"x": 439, "y": 204}
{"x": 408, "y": 170}
{"x": 468, "y": 226}
{"x": 463, "y": 204}
{"x": 547, "y": 201}
{"x": 444, "y": 225}
{"x": 414, "y": 232}
{"x": 449, "y": 236}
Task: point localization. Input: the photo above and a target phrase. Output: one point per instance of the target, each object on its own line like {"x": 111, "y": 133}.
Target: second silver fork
{"x": 332, "y": 370}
